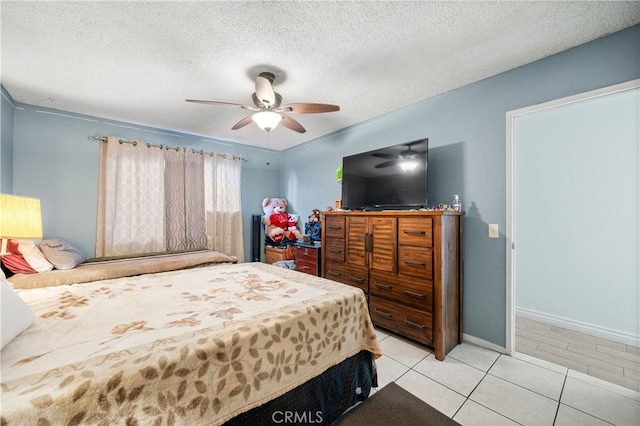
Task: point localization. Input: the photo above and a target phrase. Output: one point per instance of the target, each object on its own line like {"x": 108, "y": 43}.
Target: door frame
{"x": 511, "y": 117}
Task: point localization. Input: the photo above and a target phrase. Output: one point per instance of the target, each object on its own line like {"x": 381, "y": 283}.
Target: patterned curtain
{"x": 184, "y": 200}
{"x": 223, "y": 204}
{"x": 130, "y": 199}
{"x": 153, "y": 200}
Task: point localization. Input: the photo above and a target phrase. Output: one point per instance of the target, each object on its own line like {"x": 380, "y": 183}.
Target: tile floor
{"x": 477, "y": 386}
{"x": 612, "y": 361}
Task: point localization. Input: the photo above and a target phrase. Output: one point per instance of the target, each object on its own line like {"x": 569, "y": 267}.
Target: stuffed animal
{"x": 314, "y": 217}
{"x": 279, "y": 225}
{"x": 293, "y": 233}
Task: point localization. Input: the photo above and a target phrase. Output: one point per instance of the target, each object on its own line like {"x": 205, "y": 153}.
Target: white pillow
{"x": 15, "y": 315}
{"x": 33, "y": 255}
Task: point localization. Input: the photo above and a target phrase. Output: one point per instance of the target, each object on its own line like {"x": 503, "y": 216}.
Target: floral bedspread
{"x": 190, "y": 347}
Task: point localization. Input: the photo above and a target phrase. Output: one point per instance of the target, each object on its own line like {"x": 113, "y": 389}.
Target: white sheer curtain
{"x": 131, "y": 199}
{"x": 153, "y": 200}
{"x": 223, "y": 204}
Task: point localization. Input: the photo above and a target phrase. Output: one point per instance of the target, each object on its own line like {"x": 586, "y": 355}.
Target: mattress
{"x": 103, "y": 270}
{"x": 195, "y": 346}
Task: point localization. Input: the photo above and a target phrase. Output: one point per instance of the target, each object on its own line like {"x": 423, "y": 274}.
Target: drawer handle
{"x": 334, "y": 227}
{"x": 412, "y": 232}
{"x": 385, "y": 286}
{"x": 412, "y": 263}
{"x": 334, "y": 250}
{"x": 414, "y": 294}
{"x": 413, "y": 324}
{"x": 382, "y": 314}
{"x": 335, "y": 274}
{"x": 356, "y": 279}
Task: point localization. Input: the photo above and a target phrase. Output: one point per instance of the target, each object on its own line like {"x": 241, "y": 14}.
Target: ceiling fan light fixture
{"x": 408, "y": 165}
{"x": 266, "y": 120}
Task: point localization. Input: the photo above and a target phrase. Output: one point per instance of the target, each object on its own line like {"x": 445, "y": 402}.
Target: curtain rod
{"x": 177, "y": 148}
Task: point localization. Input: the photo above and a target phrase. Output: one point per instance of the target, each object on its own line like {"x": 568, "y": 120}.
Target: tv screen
{"x": 394, "y": 177}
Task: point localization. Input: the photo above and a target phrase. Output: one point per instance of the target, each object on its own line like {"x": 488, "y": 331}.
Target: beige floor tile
{"x": 439, "y": 397}
{"x": 403, "y": 351}
{"x": 473, "y": 414}
{"x": 389, "y": 370}
{"x": 605, "y": 385}
{"x": 533, "y": 377}
{"x": 628, "y": 382}
{"x": 584, "y": 358}
{"x": 518, "y": 404}
{"x": 569, "y": 416}
{"x": 622, "y": 354}
{"x": 604, "y": 357}
{"x": 476, "y": 356}
{"x": 544, "y": 338}
{"x": 451, "y": 373}
{"x": 601, "y": 403}
{"x": 550, "y": 357}
{"x": 633, "y": 349}
{"x": 541, "y": 363}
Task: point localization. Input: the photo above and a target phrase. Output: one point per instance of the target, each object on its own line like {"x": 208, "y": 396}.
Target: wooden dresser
{"x": 409, "y": 263}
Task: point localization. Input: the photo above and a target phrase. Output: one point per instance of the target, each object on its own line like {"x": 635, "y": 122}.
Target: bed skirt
{"x": 321, "y": 400}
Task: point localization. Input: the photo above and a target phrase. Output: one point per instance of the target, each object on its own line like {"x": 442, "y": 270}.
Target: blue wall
{"x": 467, "y": 156}
{"x": 53, "y": 160}
{"x": 6, "y": 142}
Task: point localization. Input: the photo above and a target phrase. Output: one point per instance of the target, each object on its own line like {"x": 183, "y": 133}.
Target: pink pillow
{"x": 15, "y": 261}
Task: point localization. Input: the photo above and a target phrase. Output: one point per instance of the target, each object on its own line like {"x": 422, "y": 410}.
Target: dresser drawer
{"x": 306, "y": 266}
{"x": 352, "y": 275}
{"x": 407, "y": 321}
{"x": 274, "y": 254}
{"x": 415, "y": 231}
{"x": 416, "y": 262}
{"x": 334, "y": 249}
{"x": 334, "y": 226}
{"x": 306, "y": 253}
{"x": 407, "y": 291}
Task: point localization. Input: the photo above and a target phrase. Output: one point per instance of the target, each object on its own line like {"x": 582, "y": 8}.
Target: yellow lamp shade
{"x": 20, "y": 217}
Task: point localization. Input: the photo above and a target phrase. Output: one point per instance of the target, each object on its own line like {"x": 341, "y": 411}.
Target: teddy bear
{"x": 279, "y": 225}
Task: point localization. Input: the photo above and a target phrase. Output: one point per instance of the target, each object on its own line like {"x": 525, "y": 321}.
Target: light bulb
{"x": 266, "y": 120}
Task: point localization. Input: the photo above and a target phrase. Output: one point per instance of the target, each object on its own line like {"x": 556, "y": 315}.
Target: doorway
{"x": 572, "y": 224}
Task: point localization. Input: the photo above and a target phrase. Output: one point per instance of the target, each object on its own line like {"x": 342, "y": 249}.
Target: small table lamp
{"x": 19, "y": 218}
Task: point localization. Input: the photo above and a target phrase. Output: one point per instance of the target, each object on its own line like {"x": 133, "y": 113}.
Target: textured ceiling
{"x": 138, "y": 61}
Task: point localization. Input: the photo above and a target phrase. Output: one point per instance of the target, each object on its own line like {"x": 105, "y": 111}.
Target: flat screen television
{"x": 391, "y": 178}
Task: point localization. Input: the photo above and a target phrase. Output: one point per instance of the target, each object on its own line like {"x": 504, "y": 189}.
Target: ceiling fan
{"x": 404, "y": 158}
{"x": 268, "y": 108}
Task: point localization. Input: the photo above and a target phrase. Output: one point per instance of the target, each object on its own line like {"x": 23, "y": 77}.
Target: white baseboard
{"x": 593, "y": 330}
{"x": 466, "y": 338}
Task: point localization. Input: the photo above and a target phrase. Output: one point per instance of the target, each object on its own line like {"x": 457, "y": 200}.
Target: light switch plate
{"x": 493, "y": 230}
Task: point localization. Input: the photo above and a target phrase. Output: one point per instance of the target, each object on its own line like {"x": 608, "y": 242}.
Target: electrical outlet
{"x": 493, "y": 230}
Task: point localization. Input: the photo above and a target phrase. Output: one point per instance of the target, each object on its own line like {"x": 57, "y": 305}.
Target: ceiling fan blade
{"x": 242, "y": 123}
{"x": 292, "y": 124}
{"x": 198, "y": 101}
{"x": 386, "y": 164}
{"x": 387, "y": 156}
{"x": 309, "y": 108}
{"x": 264, "y": 90}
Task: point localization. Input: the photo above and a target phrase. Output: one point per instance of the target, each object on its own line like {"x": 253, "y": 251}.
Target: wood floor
{"x": 608, "y": 360}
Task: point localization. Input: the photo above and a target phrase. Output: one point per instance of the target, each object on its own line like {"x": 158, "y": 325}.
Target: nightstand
{"x": 308, "y": 258}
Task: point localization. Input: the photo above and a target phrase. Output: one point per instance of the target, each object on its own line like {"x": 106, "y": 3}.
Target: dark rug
{"x": 392, "y": 405}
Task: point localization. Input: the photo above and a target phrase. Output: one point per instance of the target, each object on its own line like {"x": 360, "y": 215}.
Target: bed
{"x": 228, "y": 342}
